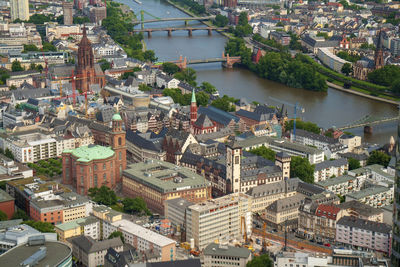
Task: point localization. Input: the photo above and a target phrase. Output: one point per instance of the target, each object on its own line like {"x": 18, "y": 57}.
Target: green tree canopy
{"x": 144, "y": 87}
{"x": 30, "y": 47}
{"x": 16, "y": 66}
{"x": 81, "y": 20}
{"x": 304, "y": 125}
{"x": 150, "y": 56}
{"x": 49, "y": 47}
{"x": 3, "y": 216}
{"x": 378, "y": 157}
{"x": 347, "y": 69}
{"x": 385, "y": 76}
{"x": 103, "y": 195}
{"x": 225, "y": 103}
{"x": 220, "y": 21}
{"x": 260, "y": 261}
{"x": 187, "y": 75}
{"x": 8, "y": 153}
{"x": 135, "y": 205}
{"x": 301, "y": 168}
{"x": 117, "y": 234}
{"x": 170, "y": 68}
{"x": 264, "y": 152}
{"x": 20, "y": 214}
{"x": 353, "y": 164}
{"x": 43, "y": 227}
{"x": 104, "y": 64}
{"x": 208, "y": 87}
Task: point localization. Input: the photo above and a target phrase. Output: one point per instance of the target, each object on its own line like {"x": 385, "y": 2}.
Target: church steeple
{"x": 378, "y": 59}
{"x": 193, "y": 109}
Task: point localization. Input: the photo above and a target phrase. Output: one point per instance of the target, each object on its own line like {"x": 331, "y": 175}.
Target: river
{"x": 333, "y": 108}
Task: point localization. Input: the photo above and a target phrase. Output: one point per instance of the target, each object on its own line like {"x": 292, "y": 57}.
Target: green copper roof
{"x": 193, "y": 97}
{"x": 89, "y": 153}
{"x": 116, "y": 117}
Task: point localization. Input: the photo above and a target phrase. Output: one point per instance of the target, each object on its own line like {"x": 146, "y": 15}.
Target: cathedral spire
{"x": 194, "y": 97}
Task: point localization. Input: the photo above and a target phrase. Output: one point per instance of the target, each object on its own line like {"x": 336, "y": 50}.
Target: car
{"x": 327, "y": 245}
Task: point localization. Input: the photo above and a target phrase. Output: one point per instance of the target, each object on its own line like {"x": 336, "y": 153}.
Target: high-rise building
{"x": 19, "y": 9}
{"x": 396, "y": 208}
{"x": 68, "y": 8}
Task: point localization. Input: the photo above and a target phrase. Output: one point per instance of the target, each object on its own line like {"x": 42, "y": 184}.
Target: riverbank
{"x": 354, "y": 92}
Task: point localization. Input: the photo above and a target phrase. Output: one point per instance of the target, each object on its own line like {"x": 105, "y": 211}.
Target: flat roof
{"x": 376, "y": 189}
{"x": 218, "y": 202}
{"x": 164, "y": 176}
{"x": 336, "y": 180}
{"x": 143, "y": 233}
{"x": 77, "y": 223}
{"x": 5, "y": 197}
{"x": 57, "y": 252}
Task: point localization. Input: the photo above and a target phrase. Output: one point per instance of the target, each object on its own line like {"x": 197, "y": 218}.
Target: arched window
{"x": 105, "y": 177}
{"x": 120, "y": 141}
{"x": 95, "y": 167}
{"x": 95, "y": 180}
{"x": 104, "y": 166}
{"x": 120, "y": 155}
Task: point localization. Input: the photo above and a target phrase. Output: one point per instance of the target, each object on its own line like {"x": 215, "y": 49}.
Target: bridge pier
{"x": 368, "y": 129}
{"x": 190, "y": 32}
{"x": 186, "y": 22}
{"x": 169, "y": 32}
{"x": 209, "y": 32}
{"x": 149, "y": 34}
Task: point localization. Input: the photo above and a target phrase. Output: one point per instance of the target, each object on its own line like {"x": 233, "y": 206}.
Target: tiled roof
{"x": 365, "y": 224}
{"x": 328, "y": 211}
{"x": 218, "y": 115}
{"x": 331, "y": 163}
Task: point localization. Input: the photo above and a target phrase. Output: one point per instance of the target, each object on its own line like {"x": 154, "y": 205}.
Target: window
{"x": 95, "y": 167}
{"x": 120, "y": 170}
{"x": 119, "y": 141}
{"x": 95, "y": 180}
{"x": 120, "y": 155}
{"x": 105, "y": 177}
{"x": 81, "y": 179}
{"x": 104, "y": 166}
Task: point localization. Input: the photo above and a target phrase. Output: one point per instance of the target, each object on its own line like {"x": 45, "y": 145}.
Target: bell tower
{"x": 233, "y": 158}
{"x": 119, "y": 146}
{"x": 193, "y": 109}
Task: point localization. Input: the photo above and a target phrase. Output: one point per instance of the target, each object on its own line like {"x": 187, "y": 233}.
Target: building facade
{"x": 19, "y": 9}
{"x": 221, "y": 255}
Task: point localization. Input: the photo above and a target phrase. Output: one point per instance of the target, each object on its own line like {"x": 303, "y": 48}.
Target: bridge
{"x": 169, "y": 30}
{"x": 367, "y": 122}
{"x": 226, "y": 60}
{"x": 173, "y": 19}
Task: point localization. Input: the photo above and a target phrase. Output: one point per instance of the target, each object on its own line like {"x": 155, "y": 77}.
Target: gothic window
{"x": 95, "y": 167}
{"x": 237, "y": 160}
{"x": 119, "y": 141}
{"x": 120, "y": 155}
{"x": 95, "y": 180}
{"x": 104, "y": 166}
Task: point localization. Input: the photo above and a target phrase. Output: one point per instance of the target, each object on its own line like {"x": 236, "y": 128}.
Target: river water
{"x": 333, "y": 108}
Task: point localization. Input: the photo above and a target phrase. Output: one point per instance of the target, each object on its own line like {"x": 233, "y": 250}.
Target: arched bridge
{"x": 227, "y": 61}
{"x": 173, "y": 19}
{"x": 190, "y": 30}
{"x": 367, "y": 122}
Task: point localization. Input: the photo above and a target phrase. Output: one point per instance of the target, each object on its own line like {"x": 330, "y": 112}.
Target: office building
{"x": 19, "y": 9}
{"x": 221, "y": 255}
{"x": 87, "y": 226}
{"x": 68, "y": 9}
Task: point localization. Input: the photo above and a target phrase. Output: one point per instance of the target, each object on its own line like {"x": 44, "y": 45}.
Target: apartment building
{"x": 342, "y": 185}
{"x": 87, "y": 226}
{"x": 175, "y": 210}
{"x": 363, "y": 211}
{"x": 330, "y": 168}
{"x": 375, "y": 196}
{"x": 219, "y": 219}
{"x": 91, "y": 252}
{"x": 363, "y": 234}
{"x": 141, "y": 238}
{"x": 19, "y": 9}
{"x": 221, "y": 255}
{"x": 311, "y": 139}
{"x": 351, "y": 141}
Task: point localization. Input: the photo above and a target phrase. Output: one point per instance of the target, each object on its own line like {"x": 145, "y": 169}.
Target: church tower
{"x": 233, "y": 158}
{"x": 378, "y": 60}
{"x": 85, "y": 69}
{"x": 118, "y": 145}
{"x": 193, "y": 109}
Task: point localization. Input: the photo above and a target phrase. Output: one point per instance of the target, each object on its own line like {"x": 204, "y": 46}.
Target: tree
{"x": 396, "y": 86}
{"x": 260, "y": 261}
{"x": 208, "y": 87}
{"x": 16, "y": 66}
{"x": 3, "y": 185}
{"x": 224, "y": 103}
{"x": 81, "y": 20}
{"x": 243, "y": 19}
{"x": 144, "y": 87}
{"x": 202, "y": 98}
{"x": 150, "y": 56}
{"x": 264, "y": 152}
{"x": 385, "y": 76}
{"x": 104, "y": 64}
{"x": 353, "y": 164}
{"x": 8, "y": 153}
{"x": 43, "y": 227}
{"x": 220, "y": 21}
{"x": 117, "y": 234}
{"x": 103, "y": 195}
{"x": 170, "y": 68}
{"x": 3, "y": 216}
{"x": 20, "y": 214}
{"x": 49, "y": 47}
{"x": 347, "y": 69}
{"x": 39, "y": 19}
{"x": 187, "y": 75}
{"x": 378, "y": 157}
{"x": 30, "y": 47}
{"x": 341, "y": 198}
{"x": 301, "y": 168}
{"x": 135, "y": 205}
{"x": 304, "y": 125}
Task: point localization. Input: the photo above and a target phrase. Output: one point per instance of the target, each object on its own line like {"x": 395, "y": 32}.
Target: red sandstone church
{"x": 94, "y": 165}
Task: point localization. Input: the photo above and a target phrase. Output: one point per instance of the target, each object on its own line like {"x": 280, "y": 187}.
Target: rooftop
{"x": 77, "y": 223}
{"x": 228, "y": 200}
{"x": 144, "y": 233}
{"x": 89, "y": 245}
{"x": 376, "y": 189}
{"x": 164, "y": 176}
{"x": 116, "y": 117}
{"x": 365, "y": 224}
{"x": 91, "y": 152}
{"x": 214, "y": 249}
{"x": 56, "y": 254}
{"x": 4, "y": 196}
{"x": 335, "y": 181}
{"x": 361, "y": 208}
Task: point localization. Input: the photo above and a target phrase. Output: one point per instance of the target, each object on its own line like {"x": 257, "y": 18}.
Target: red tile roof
{"x": 328, "y": 211}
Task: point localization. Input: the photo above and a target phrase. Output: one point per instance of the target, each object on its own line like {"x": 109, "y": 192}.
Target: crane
{"x": 142, "y": 12}
{"x": 296, "y": 108}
